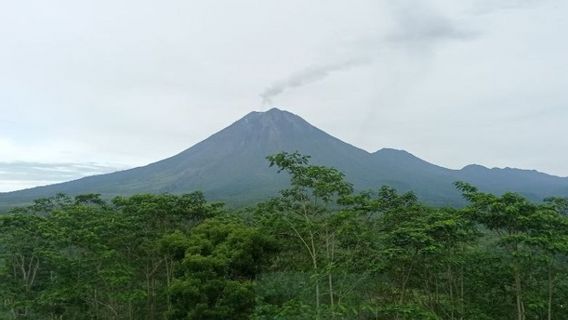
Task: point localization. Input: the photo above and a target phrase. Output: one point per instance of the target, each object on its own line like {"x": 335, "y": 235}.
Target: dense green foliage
{"x": 317, "y": 251}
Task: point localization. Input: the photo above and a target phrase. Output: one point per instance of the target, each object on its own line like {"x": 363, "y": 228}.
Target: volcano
{"x": 231, "y": 166}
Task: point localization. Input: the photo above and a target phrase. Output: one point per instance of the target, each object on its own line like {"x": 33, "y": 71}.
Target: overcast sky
{"x": 95, "y": 86}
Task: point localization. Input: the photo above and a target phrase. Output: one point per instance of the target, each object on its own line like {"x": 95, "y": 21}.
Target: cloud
{"x": 20, "y": 174}
{"x": 424, "y": 25}
{"x": 481, "y": 7}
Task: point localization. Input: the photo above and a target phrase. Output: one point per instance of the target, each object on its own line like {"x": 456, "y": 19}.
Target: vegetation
{"x": 318, "y": 251}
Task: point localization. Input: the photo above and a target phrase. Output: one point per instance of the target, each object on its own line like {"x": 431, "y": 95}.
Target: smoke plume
{"x": 307, "y": 76}
{"x": 417, "y": 27}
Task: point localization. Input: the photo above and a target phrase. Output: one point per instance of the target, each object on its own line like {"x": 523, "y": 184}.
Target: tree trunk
{"x": 550, "y": 291}
{"x": 405, "y": 280}
{"x": 519, "y": 301}
{"x": 451, "y": 284}
{"x": 169, "y": 276}
{"x": 315, "y": 265}
{"x": 462, "y": 298}
{"x": 330, "y": 253}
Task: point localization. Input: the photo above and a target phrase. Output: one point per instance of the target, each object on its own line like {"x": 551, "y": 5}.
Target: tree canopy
{"x": 319, "y": 250}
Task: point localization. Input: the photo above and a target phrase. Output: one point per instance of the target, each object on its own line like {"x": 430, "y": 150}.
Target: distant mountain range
{"x": 231, "y": 166}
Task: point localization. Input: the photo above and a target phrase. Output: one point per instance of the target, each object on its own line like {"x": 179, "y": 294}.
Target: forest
{"x": 319, "y": 250}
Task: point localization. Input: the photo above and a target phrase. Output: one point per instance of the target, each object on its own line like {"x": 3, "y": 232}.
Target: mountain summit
{"x": 230, "y": 165}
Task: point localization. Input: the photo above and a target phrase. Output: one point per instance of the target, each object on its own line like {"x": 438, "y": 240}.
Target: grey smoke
{"x": 417, "y": 26}
{"x": 309, "y": 75}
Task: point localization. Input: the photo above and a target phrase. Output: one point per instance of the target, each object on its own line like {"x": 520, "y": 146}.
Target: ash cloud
{"x": 309, "y": 75}
{"x": 417, "y": 26}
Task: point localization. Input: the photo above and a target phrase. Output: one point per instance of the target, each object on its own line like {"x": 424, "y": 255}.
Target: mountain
{"x": 231, "y": 166}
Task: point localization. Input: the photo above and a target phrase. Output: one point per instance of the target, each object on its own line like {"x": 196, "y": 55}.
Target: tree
{"x": 530, "y": 234}
{"x": 215, "y": 275}
{"x": 305, "y": 207}
{"x": 84, "y": 258}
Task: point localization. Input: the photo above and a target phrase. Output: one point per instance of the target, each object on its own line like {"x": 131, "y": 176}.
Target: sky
{"x": 95, "y": 86}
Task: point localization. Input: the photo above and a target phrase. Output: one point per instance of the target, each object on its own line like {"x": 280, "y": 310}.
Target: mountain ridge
{"x": 230, "y": 165}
